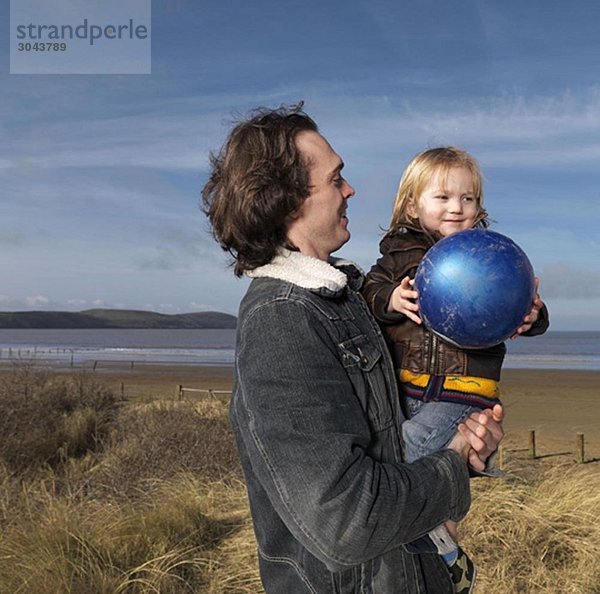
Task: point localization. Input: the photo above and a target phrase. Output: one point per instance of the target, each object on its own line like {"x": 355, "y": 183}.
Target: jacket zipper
{"x": 433, "y": 354}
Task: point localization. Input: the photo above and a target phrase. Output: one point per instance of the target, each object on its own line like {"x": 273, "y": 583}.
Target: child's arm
{"x": 536, "y": 321}
{"x": 386, "y": 277}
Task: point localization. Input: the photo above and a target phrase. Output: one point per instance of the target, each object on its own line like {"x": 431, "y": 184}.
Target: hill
{"x": 115, "y": 318}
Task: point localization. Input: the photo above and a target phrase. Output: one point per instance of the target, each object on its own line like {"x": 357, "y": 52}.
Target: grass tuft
{"x": 45, "y": 420}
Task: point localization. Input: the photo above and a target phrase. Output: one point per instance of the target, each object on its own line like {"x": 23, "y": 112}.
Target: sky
{"x": 101, "y": 175}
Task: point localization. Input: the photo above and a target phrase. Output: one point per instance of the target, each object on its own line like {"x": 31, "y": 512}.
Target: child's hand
{"x": 403, "y": 300}
{"x": 531, "y": 318}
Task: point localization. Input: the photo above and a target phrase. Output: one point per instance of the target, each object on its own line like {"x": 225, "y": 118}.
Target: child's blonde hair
{"x": 420, "y": 171}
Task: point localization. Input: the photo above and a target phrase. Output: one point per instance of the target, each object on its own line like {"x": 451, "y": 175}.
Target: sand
{"x": 556, "y": 404}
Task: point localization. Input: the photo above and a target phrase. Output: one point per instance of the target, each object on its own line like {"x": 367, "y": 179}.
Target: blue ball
{"x": 475, "y": 287}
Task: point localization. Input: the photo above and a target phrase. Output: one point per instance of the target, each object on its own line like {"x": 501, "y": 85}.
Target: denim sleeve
{"x": 307, "y": 438}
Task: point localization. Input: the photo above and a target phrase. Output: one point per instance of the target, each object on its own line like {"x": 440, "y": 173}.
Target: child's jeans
{"x": 431, "y": 425}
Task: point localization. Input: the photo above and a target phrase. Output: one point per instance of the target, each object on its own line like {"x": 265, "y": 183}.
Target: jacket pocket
{"x": 362, "y": 361}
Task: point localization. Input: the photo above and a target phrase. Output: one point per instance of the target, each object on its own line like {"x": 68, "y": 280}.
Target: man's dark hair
{"x": 257, "y": 180}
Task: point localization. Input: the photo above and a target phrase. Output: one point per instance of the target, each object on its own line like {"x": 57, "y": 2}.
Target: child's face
{"x": 447, "y": 204}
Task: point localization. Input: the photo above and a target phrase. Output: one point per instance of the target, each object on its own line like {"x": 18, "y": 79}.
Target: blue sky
{"x": 100, "y": 175}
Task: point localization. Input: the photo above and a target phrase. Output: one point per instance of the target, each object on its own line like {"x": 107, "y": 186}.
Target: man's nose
{"x": 350, "y": 191}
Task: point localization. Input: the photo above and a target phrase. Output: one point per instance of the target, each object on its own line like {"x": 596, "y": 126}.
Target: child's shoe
{"x": 463, "y": 573}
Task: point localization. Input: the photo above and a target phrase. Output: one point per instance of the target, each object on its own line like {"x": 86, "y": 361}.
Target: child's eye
{"x": 468, "y": 198}
{"x": 442, "y": 197}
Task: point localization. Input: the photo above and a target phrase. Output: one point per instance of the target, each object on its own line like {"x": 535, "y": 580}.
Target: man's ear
{"x": 291, "y": 219}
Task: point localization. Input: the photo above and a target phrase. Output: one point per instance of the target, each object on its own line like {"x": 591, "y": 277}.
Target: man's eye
{"x": 338, "y": 181}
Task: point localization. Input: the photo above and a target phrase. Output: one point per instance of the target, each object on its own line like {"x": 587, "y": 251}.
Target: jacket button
{"x": 364, "y": 360}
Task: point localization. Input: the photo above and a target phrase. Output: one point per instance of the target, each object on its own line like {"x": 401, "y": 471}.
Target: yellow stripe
{"x": 472, "y": 385}
{"x": 459, "y": 383}
{"x": 417, "y": 379}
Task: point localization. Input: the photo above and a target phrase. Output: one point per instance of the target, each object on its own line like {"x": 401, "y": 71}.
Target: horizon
{"x": 100, "y": 175}
{"x": 182, "y": 313}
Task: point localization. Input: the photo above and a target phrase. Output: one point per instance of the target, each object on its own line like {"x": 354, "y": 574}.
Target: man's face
{"x": 320, "y": 226}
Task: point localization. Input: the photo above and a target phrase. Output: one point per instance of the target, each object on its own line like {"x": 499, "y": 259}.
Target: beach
{"x": 556, "y": 404}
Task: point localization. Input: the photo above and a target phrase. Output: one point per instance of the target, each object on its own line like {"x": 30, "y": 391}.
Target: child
{"x": 440, "y": 193}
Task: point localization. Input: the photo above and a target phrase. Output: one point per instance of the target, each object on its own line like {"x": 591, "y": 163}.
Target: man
{"x": 315, "y": 407}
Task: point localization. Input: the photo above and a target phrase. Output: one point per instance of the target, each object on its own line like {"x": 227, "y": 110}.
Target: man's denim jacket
{"x": 317, "y": 419}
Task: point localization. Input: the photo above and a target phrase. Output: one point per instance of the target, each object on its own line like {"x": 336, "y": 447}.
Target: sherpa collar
{"x": 305, "y": 271}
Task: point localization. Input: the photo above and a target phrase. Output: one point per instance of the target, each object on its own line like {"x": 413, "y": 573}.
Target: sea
{"x": 553, "y": 350}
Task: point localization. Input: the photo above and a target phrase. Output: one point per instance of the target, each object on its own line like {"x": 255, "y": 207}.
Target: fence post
{"x": 532, "y": 445}
{"x": 579, "y": 448}
{"x": 180, "y": 391}
{"x": 122, "y": 390}
{"x": 501, "y": 456}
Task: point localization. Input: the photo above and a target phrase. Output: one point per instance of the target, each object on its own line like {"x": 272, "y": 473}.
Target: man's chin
{"x": 344, "y": 241}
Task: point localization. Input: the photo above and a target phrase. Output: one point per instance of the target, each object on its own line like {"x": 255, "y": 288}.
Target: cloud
{"x": 573, "y": 314}
{"x": 79, "y": 303}
{"x": 506, "y": 131}
{"x": 161, "y": 143}
{"x": 194, "y": 306}
{"x": 563, "y": 281}
{"x": 175, "y": 138}
{"x": 37, "y": 301}
{"x": 179, "y": 249}
{"x": 509, "y": 130}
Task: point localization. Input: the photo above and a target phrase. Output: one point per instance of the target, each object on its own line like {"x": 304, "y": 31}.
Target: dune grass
{"x": 538, "y": 530}
{"x": 99, "y": 496}
{"x": 170, "y": 544}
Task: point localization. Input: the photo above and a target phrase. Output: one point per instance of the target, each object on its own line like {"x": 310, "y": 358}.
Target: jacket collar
{"x": 327, "y": 278}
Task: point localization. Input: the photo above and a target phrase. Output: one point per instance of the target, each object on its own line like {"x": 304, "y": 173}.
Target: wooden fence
{"x": 208, "y": 391}
{"x": 532, "y": 453}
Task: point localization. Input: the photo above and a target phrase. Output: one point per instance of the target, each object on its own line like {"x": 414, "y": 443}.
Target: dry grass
{"x": 45, "y": 420}
{"x": 137, "y": 497}
{"x": 537, "y": 531}
{"x": 147, "y": 498}
{"x": 155, "y": 442}
{"x": 168, "y": 545}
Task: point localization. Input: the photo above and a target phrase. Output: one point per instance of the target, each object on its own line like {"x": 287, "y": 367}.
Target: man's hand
{"x": 479, "y": 436}
{"x": 403, "y": 300}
